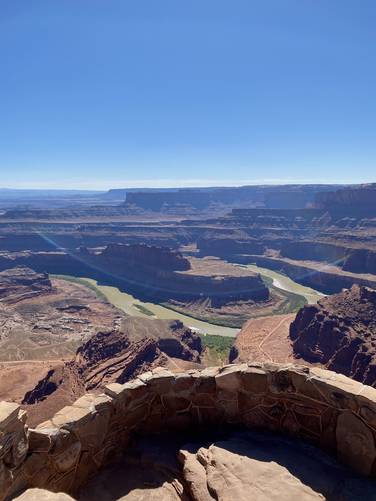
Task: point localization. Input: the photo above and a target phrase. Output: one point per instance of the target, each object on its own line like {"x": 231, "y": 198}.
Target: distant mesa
{"x": 286, "y": 196}
{"x": 349, "y": 201}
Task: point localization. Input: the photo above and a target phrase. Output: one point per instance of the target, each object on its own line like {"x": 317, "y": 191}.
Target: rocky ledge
{"x": 330, "y": 410}
{"x": 20, "y": 283}
{"x": 340, "y": 333}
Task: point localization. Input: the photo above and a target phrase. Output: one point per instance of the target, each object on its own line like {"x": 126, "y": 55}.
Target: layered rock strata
{"x": 19, "y": 283}
{"x": 339, "y": 332}
{"x": 151, "y": 273}
{"x": 323, "y": 277}
{"x": 349, "y": 201}
{"x": 111, "y": 356}
{"x": 328, "y": 409}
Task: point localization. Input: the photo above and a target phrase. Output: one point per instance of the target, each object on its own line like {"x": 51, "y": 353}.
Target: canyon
{"x": 319, "y": 233}
{"x": 110, "y": 389}
{"x": 149, "y": 271}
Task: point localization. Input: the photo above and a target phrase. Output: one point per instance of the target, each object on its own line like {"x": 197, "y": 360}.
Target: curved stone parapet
{"x": 328, "y": 409}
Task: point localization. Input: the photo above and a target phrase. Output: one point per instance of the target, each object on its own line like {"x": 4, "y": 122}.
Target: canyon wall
{"x": 53, "y": 237}
{"x": 340, "y": 333}
{"x": 330, "y": 410}
{"x": 225, "y": 247}
{"x": 287, "y": 196}
{"x": 173, "y": 279}
{"x": 308, "y": 250}
{"x": 146, "y": 256}
{"x": 149, "y": 272}
{"x": 325, "y": 279}
{"x": 357, "y": 201}
{"x": 287, "y": 217}
{"x": 360, "y": 261}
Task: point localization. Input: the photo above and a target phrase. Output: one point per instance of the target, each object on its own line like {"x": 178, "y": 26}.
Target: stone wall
{"x": 332, "y": 411}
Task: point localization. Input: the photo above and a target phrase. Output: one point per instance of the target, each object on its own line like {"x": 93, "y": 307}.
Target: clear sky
{"x": 116, "y": 93}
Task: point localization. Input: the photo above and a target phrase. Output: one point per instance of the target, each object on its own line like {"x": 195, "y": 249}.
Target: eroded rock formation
{"x": 150, "y": 272}
{"x": 349, "y": 201}
{"x": 146, "y": 256}
{"x": 340, "y": 333}
{"x": 114, "y": 356}
{"x": 46, "y": 319}
{"x": 19, "y": 283}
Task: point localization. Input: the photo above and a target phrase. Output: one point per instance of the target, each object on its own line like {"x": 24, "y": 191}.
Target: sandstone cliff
{"x": 340, "y": 333}
{"x": 151, "y": 273}
{"x": 146, "y": 256}
{"x": 356, "y": 201}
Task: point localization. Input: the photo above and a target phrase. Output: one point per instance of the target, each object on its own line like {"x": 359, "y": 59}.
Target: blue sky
{"x": 115, "y": 93}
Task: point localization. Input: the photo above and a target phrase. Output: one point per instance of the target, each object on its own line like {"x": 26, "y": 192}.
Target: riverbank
{"x": 291, "y": 297}
{"x": 285, "y": 283}
{"x": 323, "y": 277}
{"x": 286, "y": 297}
{"x": 137, "y": 308}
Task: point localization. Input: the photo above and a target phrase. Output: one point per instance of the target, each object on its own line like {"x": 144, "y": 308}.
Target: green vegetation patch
{"x": 143, "y": 310}
{"x": 218, "y": 347}
{"x": 231, "y": 321}
{"x": 291, "y": 304}
{"x": 268, "y": 281}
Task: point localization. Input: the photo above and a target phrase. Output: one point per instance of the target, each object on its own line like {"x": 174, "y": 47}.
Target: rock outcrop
{"x": 120, "y": 356}
{"x": 353, "y": 201}
{"x": 254, "y": 465}
{"x": 330, "y": 410}
{"x": 46, "y": 319}
{"x": 19, "y": 283}
{"x": 340, "y": 333}
{"x": 146, "y": 256}
{"x": 114, "y": 356}
{"x": 43, "y": 495}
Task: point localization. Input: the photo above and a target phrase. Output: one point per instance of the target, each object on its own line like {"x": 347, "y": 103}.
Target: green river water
{"x": 287, "y": 284}
{"x": 134, "y": 307}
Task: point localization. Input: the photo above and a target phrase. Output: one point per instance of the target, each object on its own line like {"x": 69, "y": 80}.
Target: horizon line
{"x": 155, "y": 185}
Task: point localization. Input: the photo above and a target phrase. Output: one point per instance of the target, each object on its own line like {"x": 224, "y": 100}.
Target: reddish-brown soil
{"x": 52, "y": 324}
{"x": 264, "y": 339}
{"x": 16, "y": 378}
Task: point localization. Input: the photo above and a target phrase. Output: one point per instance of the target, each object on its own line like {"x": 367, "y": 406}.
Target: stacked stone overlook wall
{"x": 330, "y": 410}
